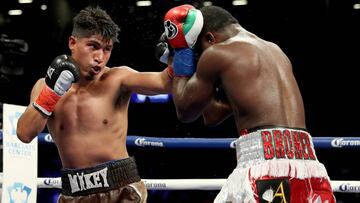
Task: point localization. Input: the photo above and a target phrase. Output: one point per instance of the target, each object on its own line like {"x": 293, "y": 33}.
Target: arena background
{"x": 321, "y": 38}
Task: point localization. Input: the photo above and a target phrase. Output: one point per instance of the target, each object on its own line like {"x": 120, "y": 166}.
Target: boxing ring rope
{"x": 224, "y": 143}
{"x": 213, "y": 143}
{"x": 343, "y": 186}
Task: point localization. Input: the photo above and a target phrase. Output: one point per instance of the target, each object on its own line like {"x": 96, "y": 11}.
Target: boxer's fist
{"x": 61, "y": 73}
{"x": 183, "y": 25}
{"x": 162, "y": 50}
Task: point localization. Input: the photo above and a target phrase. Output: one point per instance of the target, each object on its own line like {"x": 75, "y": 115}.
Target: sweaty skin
{"x": 255, "y": 74}
{"x": 259, "y": 85}
{"x": 90, "y": 121}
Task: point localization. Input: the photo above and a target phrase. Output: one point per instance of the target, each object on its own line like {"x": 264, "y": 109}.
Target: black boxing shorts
{"x": 113, "y": 181}
{"x": 276, "y": 164}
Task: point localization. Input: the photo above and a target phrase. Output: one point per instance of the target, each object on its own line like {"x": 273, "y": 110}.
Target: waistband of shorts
{"x": 245, "y": 131}
{"x": 274, "y": 143}
{"x": 101, "y": 178}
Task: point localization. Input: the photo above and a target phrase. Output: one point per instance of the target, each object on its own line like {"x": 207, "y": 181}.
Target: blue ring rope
{"x": 213, "y": 143}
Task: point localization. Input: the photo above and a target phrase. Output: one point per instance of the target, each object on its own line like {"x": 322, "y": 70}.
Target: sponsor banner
{"x": 233, "y": 144}
{"x": 20, "y": 170}
{"x": 340, "y": 142}
{"x": 143, "y": 142}
{"x": 348, "y": 187}
{"x": 49, "y": 182}
{"x": 155, "y": 185}
{"x": 345, "y": 186}
{"x": 184, "y": 184}
{"x": 178, "y": 143}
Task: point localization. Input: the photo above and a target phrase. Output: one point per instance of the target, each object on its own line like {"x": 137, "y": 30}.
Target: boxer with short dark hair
{"x": 276, "y": 160}
{"x": 84, "y": 104}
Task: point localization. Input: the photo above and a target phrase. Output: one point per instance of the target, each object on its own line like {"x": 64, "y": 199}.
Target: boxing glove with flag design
{"x": 183, "y": 25}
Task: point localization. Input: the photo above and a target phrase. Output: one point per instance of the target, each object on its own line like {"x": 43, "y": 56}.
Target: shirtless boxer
{"x": 276, "y": 160}
{"x": 85, "y": 104}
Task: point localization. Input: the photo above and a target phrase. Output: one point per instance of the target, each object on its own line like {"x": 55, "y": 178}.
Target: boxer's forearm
{"x": 216, "y": 112}
{"x": 30, "y": 124}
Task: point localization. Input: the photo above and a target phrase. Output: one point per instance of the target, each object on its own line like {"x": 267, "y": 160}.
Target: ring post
{"x": 20, "y": 170}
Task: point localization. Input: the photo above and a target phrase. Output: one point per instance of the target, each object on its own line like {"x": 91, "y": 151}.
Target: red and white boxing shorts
{"x": 277, "y": 165}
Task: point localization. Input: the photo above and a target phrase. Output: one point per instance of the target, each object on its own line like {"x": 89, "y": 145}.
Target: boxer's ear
{"x": 210, "y": 38}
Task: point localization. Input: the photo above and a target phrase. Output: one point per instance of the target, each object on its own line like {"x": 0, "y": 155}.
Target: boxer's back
{"x": 258, "y": 80}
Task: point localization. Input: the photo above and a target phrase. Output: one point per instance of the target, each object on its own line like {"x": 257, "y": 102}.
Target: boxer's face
{"x": 91, "y": 53}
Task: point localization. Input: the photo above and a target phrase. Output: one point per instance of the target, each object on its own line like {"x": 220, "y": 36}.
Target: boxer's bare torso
{"x": 89, "y": 123}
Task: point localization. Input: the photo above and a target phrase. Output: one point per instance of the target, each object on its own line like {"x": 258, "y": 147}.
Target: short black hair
{"x": 216, "y": 18}
{"x": 94, "y": 20}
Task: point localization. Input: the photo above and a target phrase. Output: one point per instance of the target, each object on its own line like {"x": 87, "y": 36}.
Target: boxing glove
{"x": 162, "y": 50}
{"x": 183, "y": 25}
{"x": 60, "y": 75}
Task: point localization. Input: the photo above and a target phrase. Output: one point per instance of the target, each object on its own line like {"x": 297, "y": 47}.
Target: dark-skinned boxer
{"x": 276, "y": 160}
